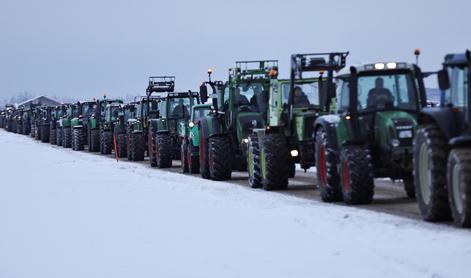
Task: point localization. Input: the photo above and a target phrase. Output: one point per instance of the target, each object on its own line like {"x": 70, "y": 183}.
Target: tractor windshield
{"x": 178, "y": 107}
{"x": 305, "y": 94}
{"x": 72, "y": 111}
{"x": 251, "y": 95}
{"x": 112, "y": 112}
{"x": 387, "y": 91}
{"x": 199, "y": 113}
{"x": 458, "y": 95}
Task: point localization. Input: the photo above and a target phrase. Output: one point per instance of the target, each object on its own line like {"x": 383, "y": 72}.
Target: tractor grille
{"x": 404, "y": 125}
{"x": 308, "y": 126}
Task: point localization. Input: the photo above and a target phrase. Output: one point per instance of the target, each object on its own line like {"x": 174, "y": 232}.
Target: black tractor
{"x": 442, "y": 147}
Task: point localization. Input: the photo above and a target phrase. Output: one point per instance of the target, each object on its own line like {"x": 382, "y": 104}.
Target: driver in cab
{"x": 180, "y": 110}
{"x": 300, "y": 99}
{"x": 379, "y": 96}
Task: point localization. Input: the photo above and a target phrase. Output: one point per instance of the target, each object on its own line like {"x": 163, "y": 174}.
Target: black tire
{"x": 164, "y": 149}
{"x": 253, "y": 162}
{"x": 94, "y": 140}
{"x": 184, "y": 156}
{"x": 409, "y": 187}
{"x": 328, "y": 179}
{"x": 220, "y": 158}
{"x": 357, "y": 178}
{"x": 67, "y": 137}
{"x": 275, "y": 154}
{"x": 78, "y": 139}
{"x": 137, "y": 146}
{"x": 59, "y": 135}
{"x": 44, "y": 129}
{"x": 430, "y": 180}
{"x": 152, "y": 146}
{"x": 192, "y": 159}
{"x": 106, "y": 142}
{"x": 121, "y": 144}
{"x": 52, "y": 136}
{"x": 204, "y": 156}
{"x": 459, "y": 186}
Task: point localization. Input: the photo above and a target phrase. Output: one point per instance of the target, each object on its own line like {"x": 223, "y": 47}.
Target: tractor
{"x": 43, "y": 122}
{"x": 137, "y": 125}
{"x": 442, "y": 147}
{"x": 8, "y": 120}
{"x": 55, "y": 135}
{"x": 109, "y": 120}
{"x": 371, "y": 133}
{"x": 294, "y": 105}
{"x": 239, "y": 106}
{"x": 80, "y": 124}
{"x": 163, "y": 141}
{"x": 94, "y": 130}
{"x": 64, "y": 126}
{"x": 188, "y": 131}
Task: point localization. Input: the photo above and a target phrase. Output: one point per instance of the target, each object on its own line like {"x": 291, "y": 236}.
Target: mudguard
{"x": 329, "y": 124}
{"x": 216, "y": 126}
{"x": 443, "y": 117}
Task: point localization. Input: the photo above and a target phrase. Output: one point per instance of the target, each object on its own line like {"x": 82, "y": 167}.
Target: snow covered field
{"x": 74, "y": 214}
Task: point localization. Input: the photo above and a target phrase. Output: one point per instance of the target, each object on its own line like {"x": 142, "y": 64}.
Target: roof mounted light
{"x": 379, "y": 66}
{"x": 391, "y": 65}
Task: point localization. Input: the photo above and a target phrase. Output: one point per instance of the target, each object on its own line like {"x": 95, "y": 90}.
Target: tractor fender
{"x": 77, "y": 126}
{"x": 203, "y": 128}
{"x": 329, "y": 124}
{"x": 216, "y": 127}
{"x": 136, "y": 131}
{"x": 461, "y": 141}
{"x": 447, "y": 119}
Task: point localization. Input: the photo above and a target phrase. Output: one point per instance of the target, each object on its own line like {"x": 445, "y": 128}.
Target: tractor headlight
{"x": 191, "y": 124}
{"x": 395, "y": 143}
{"x": 245, "y": 140}
{"x": 294, "y": 153}
{"x": 404, "y": 134}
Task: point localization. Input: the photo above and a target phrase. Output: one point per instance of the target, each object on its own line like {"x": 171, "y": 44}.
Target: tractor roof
{"x": 250, "y": 70}
{"x": 378, "y": 67}
{"x": 457, "y": 59}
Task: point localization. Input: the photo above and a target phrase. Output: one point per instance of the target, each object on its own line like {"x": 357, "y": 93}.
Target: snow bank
{"x": 75, "y": 214}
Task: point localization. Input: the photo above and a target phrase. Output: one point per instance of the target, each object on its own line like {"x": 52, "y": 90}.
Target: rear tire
{"x": 164, "y": 150}
{"x": 44, "y": 133}
{"x": 459, "y": 186}
{"x": 328, "y": 179}
{"x": 430, "y": 164}
{"x": 137, "y": 145}
{"x": 59, "y": 136}
{"x": 275, "y": 162}
{"x": 52, "y": 136}
{"x": 357, "y": 180}
{"x": 253, "y": 162}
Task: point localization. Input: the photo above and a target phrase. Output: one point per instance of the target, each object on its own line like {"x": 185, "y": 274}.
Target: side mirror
{"x": 215, "y": 103}
{"x": 443, "y": 80}
{"x": 203, "y": 93}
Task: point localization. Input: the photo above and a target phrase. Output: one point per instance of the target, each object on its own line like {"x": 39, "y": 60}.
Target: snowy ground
{"x": 75, "y": 214}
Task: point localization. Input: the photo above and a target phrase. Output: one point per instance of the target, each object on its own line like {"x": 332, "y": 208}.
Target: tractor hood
{"x": 394, "y": 129}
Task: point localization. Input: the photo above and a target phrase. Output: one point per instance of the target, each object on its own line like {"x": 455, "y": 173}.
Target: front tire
{"x": 204, "y": 153}
{"x": 94, "y": 141}
{"x": 430, "y": 164}
{"x": 77, "y": 139}
{"x": 184, "y": 156}
{"x": 193, "y": 160}
{"x": 136, "y": 147}
{"x": 220, "y": 162}
{"x": 357, "y": 182}
{"x": 275, "y": 162}
{"x": 328, "y": 179}
{"x": 253, "y": 162}
{"x": 121, "y": 144}
{"x": 459, "y": 186}
{"x": 164, "y": 150}
{"x": 106, "y": 142}
{"x": 59, "y": 136}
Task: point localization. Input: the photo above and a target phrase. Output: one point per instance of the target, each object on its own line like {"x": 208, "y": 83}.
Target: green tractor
{"x": 371, "y": 133}
{"x": 43, "y": 122}
{"x": 294, "y": 105}
{"x": 94, "y": 130}
{"x": 189, "y": 135}
{"x": 59, "y": 114}
{"x": 137, "y": 125}
{"x": 442, "y": 147}
{"x": 80, "y": 124}
{"x": 239, "y": 106}
{"x": 109, "y": 120}
{"x": 65, "y": 127}
{"x": 163, "y": 141}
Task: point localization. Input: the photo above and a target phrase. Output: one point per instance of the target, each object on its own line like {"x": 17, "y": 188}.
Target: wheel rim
{"x": 346, "y": 176}
{"x": 424, "y": 174}
{"x": 322, "y": 166}
{"x": 458, "y": 195}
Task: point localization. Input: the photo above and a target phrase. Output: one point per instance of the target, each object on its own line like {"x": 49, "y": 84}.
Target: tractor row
{"x": 353, "y": 124}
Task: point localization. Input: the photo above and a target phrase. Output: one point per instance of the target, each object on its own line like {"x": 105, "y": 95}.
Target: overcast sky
{"x": 85, "y": 48}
